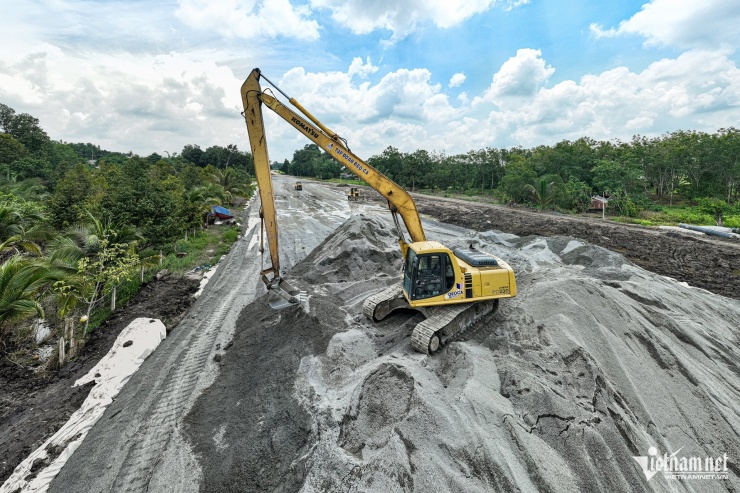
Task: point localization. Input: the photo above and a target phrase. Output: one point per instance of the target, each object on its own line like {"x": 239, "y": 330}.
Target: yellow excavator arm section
{"x": 399, "y": 201}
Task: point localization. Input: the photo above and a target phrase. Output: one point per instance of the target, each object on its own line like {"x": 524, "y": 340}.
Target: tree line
{"x": 77, "y": 221}
{"x": 691, "y": 164}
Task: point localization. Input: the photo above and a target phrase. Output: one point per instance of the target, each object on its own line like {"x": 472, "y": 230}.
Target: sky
{"x": 447, "y": 76}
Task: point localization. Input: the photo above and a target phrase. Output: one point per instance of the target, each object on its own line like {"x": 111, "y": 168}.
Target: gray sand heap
{"x": 594, "y": 362}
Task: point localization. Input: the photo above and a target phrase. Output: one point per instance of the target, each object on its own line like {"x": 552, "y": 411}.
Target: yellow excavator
{"x": 452, "y": 288}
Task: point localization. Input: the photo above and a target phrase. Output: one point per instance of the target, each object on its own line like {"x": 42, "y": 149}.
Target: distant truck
{"x": 298, "y": 186}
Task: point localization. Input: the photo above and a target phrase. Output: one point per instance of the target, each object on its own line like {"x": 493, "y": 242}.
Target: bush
{"x": 732, "y": 221}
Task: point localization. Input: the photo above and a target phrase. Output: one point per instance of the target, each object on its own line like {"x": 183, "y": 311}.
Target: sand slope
{"x": 594, "y": 361}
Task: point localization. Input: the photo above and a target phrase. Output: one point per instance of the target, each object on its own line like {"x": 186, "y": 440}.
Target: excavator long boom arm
{"x": 284, "y": 293}
{"x": 399, "y": 201}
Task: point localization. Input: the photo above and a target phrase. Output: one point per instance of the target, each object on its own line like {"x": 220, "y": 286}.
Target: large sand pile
{"x": 594, "y": 362}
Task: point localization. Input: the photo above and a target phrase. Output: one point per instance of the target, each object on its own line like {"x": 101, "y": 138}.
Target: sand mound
{"x": 593, "y": 363}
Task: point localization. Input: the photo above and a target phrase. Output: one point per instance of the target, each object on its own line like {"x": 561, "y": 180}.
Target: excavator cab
{"x": 298, "y": 186}
{"x": 436, "y": 275}
{"x": 354, "y": 194}
{"x": 428, "y": 275}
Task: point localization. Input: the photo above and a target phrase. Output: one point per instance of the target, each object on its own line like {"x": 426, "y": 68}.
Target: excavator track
{"x": 445, "y": 323}
{"x": 379, "y": 305}
{"x": 442, "y": 325}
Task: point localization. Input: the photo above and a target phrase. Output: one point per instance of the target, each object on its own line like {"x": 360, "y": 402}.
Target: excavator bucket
{"x": 282, "y": 295}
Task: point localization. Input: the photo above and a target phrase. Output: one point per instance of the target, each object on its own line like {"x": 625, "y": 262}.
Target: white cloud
{"x": 682, "y": 23}
{"x": 403, "y": 18}
{"x": 250, "y": 19}
{"x": 357, "y": 67}
{"x": 520, "y": 76}
{"x": 457, "y": 80}
{"x": 698, "y": 90}
{"x": 400, "y": 94}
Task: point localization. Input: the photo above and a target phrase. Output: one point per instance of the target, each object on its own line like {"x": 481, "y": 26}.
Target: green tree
{"x": 192, "y": 154}
{"x": 97, "y": 256}
{"x": 30, "y": 167}
{"x": 11, "y": 149}
{"x": 72, "y": 197}
{"x": 134, "y": 197}
{"x": 576, "y": 195}
{"x": 611, "y": 176}
{"x": 232, "y": 182}
{"x": 21, "y": 231}
{"x": 25, "y": 128}
{"x": 6, "y": 118}
{"x": 199, "y": 201}
{"x": 726, "y": 163}
{"x": 716, "y": 207}
{"x": 389, "y": 162}
{"x": 518, "y": 173}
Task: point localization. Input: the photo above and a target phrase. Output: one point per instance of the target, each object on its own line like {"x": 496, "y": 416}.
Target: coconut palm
{"x": 97, "y": 243}
{"x": 84, "y": 240}
{"x": 199, "y": 201}
{"x": 21, "y": 231}
{"x": 21, "y": 282}
{"x": 543, "y": 192}
{"x": 231, "y": 182}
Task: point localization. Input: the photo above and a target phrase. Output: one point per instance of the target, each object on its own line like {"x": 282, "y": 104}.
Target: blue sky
{"x": 443, "y": 75}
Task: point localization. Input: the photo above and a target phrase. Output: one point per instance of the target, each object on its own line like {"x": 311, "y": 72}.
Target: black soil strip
{"x": 34, "y": 406}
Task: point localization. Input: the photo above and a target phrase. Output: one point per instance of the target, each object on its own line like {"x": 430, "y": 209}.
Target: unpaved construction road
{"x": 592, "y": 364}
{"x": 137, "y": 445}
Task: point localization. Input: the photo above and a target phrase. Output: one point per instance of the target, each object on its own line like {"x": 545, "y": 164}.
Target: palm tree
{"x": 84, "y": 240}
{"x": 99, "y": 243}
{"x": 544, "y": 193}
{"x": 21, "y": 282}
{"x": 231, "y": 183}
{"x": 21, "y": 231}
{"x": 200, "y": 200}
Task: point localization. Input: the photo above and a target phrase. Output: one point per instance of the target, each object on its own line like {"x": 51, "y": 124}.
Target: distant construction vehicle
{"x": 452, "y": 288}
{"x": 298, "y": 186}
{"x": 354, "y": 194}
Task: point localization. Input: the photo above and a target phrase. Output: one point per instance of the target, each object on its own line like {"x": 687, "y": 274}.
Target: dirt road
{"x": 137, "y": 445}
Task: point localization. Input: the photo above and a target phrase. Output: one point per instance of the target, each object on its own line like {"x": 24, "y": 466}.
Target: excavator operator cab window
{"x": 428, "y": 275}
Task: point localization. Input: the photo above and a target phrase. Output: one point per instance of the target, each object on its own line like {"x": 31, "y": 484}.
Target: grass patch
{"x": 633, "y": 220}
{"x": 205, "y": 248}
{"x": 673, "y": 215}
